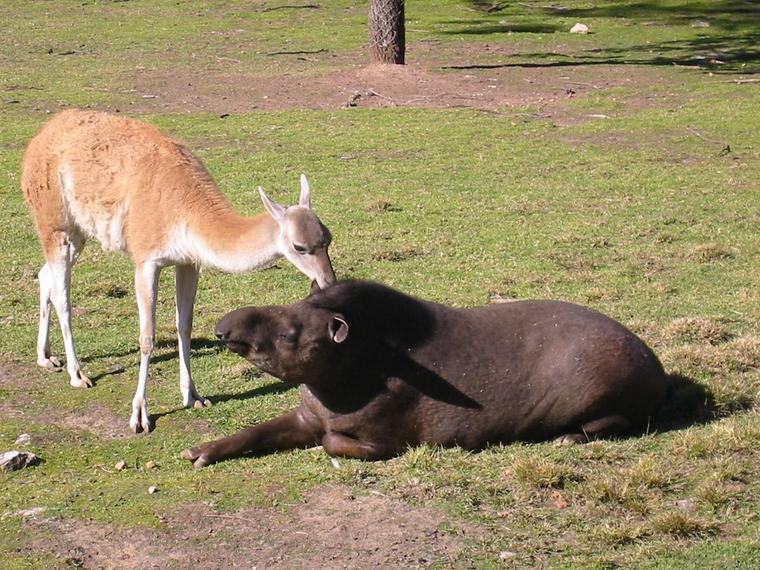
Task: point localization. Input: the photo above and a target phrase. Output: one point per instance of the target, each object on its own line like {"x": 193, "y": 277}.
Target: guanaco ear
{"x": 338, "y": 329}
{"x": 305, "y": 198}
{"x": 274, "y": 209}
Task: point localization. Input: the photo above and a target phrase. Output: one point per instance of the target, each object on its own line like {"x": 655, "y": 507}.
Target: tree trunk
{"x": 386, "y": 31}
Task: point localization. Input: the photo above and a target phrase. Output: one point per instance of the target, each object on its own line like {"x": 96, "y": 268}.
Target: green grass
{"x": 640, "y": 215}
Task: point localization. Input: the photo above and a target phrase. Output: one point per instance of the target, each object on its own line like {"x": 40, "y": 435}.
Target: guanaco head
{"x": 303, "y": 239}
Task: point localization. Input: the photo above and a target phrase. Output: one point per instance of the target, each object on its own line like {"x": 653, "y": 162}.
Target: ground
{"x": 374, "y": 85}
{"x": 611, "y": 503}
{"x": 330, "y": 528}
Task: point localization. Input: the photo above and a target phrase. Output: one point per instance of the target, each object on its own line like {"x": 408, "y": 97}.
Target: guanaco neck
{"x": 222, "y": 239}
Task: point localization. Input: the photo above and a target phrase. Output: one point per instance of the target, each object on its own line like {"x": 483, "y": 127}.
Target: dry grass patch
{"x": 573, "y": 261}
{"x": 650, "y": 473}
{"x": 381, "y": 206}
{"x": 632, "y": 487}
{"x": 682, "y": 525}
{"x": 730, "y": 369}
{"x": 717, "y": 438}
{"x": 615, "y": 490}
{"x": 616, "y": 534}
{"x": 542, "y": 472}
{"x": 696, "y": 329}
{"x": 596, "y": 294}
{"x": 717, "y": 494}
{"x": 709, "y": 252}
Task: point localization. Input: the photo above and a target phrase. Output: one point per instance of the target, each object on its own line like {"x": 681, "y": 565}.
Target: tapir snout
{"x": 239, "y": 330}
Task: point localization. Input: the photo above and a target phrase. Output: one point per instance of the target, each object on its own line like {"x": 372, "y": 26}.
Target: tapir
{"x": 380, "y": 371}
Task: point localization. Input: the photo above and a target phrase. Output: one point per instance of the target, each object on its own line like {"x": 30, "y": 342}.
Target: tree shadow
{"x": 483, "y": 28}
{"x": 726, "y": 37}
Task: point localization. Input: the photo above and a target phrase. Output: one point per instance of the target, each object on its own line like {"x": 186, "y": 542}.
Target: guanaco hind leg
{"x": 146, "y": 291}
{"x": 55, "y": 287}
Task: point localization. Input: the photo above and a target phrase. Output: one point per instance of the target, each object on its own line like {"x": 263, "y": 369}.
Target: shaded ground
{"x": 331, "y": 527}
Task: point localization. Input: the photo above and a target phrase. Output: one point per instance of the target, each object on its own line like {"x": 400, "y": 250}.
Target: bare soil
{"x": 331, "y": 528}
{"x": 95, "y": 419}
{"x": 427, "y": 83}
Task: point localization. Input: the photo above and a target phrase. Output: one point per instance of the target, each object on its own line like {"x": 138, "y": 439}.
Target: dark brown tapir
{"x": 380, "y": 371}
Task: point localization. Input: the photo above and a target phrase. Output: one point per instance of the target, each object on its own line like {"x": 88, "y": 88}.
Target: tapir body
{"x": 380, "y": 371}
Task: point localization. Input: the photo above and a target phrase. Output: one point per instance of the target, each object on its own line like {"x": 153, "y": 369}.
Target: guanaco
{"x": 134, "y": 189}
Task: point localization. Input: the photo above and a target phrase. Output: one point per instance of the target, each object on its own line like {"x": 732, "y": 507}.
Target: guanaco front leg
{"x": 186, "y": 287}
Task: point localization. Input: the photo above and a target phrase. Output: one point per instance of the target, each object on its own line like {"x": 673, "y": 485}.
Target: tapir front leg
{"x": 286, "y": 432}
{"x": 341, "y": 445}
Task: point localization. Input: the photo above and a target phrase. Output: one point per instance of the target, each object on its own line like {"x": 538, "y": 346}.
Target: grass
{"x": 640, "y": 215}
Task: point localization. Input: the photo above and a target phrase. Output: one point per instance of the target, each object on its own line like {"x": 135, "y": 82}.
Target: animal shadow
{"x": 690, "y": 403}
{"x": 277, "y": 387}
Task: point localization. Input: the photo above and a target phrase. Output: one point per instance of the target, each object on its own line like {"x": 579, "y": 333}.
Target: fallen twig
{"x": 373, "y": 93}
{"x": 557, "y": 8}
{"x": 290, "y": 7}
{"x": 726, "y": 147}
{"x": 297, "y": 52}
{"x": 696, "y": 133}
{"x": 740, "y": 81}
{"x": 221, "y": 516}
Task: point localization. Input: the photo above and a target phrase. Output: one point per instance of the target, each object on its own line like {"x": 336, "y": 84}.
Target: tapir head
{"x": 295, "y": 343}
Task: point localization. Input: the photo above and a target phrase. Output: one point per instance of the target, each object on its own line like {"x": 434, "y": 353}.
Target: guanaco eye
{"x": 299, "y": 248}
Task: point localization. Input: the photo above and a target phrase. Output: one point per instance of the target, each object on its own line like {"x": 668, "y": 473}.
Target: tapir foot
{"x": 199, "y": 456}
{"x": 570, "y": 439}
{"x": 342, "y": 445}
{"x": 601, "y": 427}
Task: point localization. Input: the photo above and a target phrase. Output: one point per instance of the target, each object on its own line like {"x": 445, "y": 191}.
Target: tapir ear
{"x": 338, "y": 329}
{"x": 305, "y": 198}
{"x": 274, "y": 209}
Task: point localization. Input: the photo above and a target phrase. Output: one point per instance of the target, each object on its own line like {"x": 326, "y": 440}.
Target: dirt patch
{"x": 331, "y": 528}
{"x": 24, "y": 403}
{"x": 94, "y": 418}
{"x": 474, "y": 76}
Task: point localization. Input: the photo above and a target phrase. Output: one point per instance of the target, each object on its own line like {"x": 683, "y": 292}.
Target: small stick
{"x": 220, "y": 516}
{"x": 740, "y": 81}
{"x": 696, "y": 133}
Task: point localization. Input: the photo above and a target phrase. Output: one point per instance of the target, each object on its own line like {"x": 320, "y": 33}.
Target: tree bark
{"x": 386, "y": 31}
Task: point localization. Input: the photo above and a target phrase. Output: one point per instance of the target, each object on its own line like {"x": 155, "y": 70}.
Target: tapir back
{"x": 381, "y": 371}
{"x": 535, "y": 367}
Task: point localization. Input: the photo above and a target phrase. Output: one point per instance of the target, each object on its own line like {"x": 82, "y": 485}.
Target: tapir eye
{"x": 289, "y": 336}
